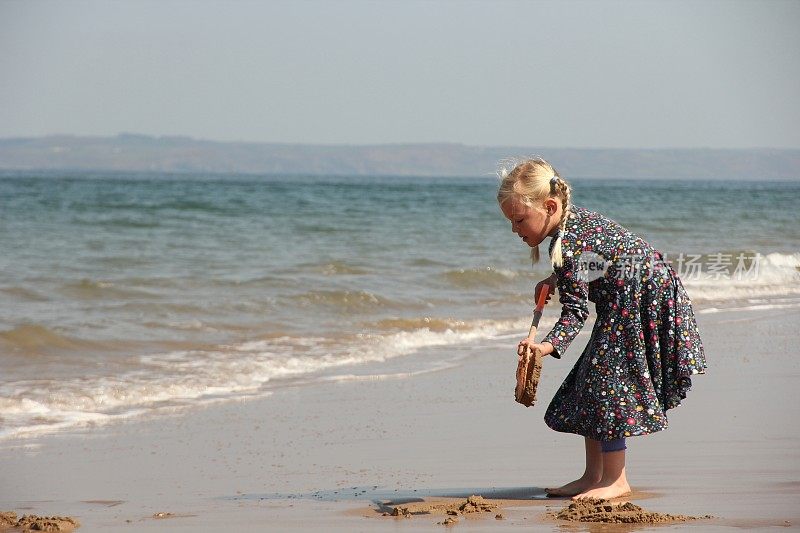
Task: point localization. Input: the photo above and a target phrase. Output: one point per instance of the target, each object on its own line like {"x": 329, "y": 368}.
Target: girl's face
{"x": 532, "y": 224}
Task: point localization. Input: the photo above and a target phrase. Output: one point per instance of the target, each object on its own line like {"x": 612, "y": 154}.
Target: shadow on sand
{"x": 384, "y": 497}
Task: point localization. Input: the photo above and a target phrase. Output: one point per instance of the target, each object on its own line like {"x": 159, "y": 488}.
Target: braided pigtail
{"x": 561, "y": 189}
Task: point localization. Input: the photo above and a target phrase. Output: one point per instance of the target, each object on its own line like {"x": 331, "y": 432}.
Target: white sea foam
{"x": 776, "y": 275}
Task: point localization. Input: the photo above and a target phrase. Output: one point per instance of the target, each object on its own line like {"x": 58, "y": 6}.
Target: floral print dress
{"x": 645, "y": 344}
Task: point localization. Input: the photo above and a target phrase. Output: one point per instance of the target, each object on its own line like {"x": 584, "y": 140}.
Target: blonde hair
{"x": 532, "y": 181}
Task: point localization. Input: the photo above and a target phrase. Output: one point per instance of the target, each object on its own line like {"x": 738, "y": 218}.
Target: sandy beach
{"x": 326, "y": 457}
{"x": 266, "y": 266}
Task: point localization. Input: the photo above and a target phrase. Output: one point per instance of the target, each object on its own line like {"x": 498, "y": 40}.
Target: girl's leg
{"x": 613, "y": 483}
{"x": 591, "y": 474}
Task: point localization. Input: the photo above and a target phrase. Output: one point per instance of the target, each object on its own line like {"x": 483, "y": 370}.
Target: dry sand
{"x": 326, "y": 457}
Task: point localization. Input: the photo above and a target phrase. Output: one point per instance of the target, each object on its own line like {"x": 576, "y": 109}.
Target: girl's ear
{"x": 551, "y": 206}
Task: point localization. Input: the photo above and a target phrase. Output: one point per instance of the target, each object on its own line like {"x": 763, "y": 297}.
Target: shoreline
{"x": 404, "y": 354}
{"x": 308, "y": 458}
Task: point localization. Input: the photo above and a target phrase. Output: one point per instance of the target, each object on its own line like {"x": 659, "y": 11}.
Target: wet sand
{"x": 333, "y": 456}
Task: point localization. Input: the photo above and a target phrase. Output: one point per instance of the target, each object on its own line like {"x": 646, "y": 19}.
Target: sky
{"x": 634, "y": 74}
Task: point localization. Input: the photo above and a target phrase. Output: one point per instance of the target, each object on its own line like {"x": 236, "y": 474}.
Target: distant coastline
{"x": 144, "y": 153}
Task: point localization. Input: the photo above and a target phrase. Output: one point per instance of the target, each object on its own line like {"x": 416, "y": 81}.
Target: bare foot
{"x": 605, "y": 490}
{"x": 574, "y": 487}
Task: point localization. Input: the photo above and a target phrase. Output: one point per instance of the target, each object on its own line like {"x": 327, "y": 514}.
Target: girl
{"x": 644, "y": 345}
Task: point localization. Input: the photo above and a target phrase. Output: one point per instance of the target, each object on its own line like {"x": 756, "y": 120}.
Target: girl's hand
{"x": 551, "y": 281}
{"x": 545, "y": 347}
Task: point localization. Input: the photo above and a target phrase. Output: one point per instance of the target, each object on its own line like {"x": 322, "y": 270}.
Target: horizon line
{"x": 387, "y": 144}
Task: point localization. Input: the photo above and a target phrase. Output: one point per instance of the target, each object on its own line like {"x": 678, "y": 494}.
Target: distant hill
{"x": 143, "y": 153}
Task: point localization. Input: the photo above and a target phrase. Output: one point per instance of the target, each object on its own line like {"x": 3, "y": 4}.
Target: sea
{"x": 129, "y": 295}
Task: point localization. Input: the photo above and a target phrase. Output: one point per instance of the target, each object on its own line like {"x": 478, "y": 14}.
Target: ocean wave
{"x": 34, "y": 339}
{"x": 479, "y": 277}
{"x": 266, "y": 282}
{"x": 122, "y": 261}
{"x": 24, "y": 294}
{"x": 183, "y": 378}
{"x": 418, "y": 323}
{"x": 118, "y": 223}
{"x": 188, "y": 325}
{"x": 337, "y": 268}
{"x": 301, "y": 228}
{"x": 87, "y": 289}
{"x": 162, "y": 308}
{"x": 157, "y": 282}
{"x": 424, "y": 262}
{"x": 343, "y": 300}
